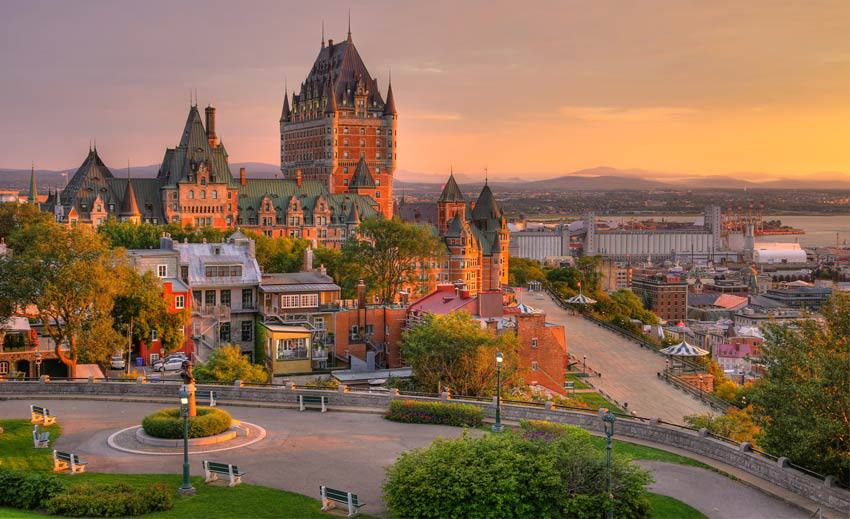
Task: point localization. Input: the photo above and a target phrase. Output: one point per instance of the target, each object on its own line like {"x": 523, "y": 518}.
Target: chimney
{"x": 322, "y": 270}
{"x": 211, "y": 137}
{"x": 242, "y": 176}
{"x": 308, "y": 260}
{"x": 361, "y": 294}
{"x": 298, "y": 177}
{"x": 165, "y": 242}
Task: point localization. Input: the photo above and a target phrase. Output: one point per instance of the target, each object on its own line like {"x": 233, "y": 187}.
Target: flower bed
{"x": 442, "y": 413}
{"x": 167, "y": 423}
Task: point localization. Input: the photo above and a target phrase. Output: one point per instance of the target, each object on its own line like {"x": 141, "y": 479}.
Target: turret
{"x": 33, "y": 195}
{"x": 210, "y": 124}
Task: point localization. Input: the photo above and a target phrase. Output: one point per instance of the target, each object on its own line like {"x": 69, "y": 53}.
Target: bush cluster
{"x": 506, "y": 475}
{"x": 167, "y": 423}
{"x": 442, "y": 413}
{"x": 27, "y": 490}
{"x": 111, "y": 500}
{"x": 549, "y": 431}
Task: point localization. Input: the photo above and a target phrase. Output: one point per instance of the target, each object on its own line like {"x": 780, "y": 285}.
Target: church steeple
{"x": 129, "y": 206}
{"x": 33, "y": 195}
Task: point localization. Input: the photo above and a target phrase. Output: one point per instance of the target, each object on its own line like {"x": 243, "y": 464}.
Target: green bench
{"x": 63, "y": 461}
{"x": 41, "y": 415}
{"x": 213, "y": 469}
{"x": 331, "y": 496}
{"x": 208, "y": 395}
{"x": 312, "y": 400}
{"x": 40, "y": 440}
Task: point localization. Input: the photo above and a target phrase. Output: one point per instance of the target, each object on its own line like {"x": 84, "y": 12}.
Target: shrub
{"x": 442, "y": 413}
{"x": 111, "y": 500}
{"x": 27, "y": 490}
{"x": 322, "y": 383}
{"x": 543, "y": 430}
{"x": 226, "y": 365}
{"x": 167, "y": 423}
{"x": 505, "y": 475}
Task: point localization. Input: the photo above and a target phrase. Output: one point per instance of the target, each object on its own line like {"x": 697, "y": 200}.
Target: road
{"x": 345, "y": 450}
{"x": 628, "y": 371}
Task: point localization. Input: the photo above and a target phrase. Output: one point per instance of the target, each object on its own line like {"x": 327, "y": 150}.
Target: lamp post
{"x": 700, "y": 387}
{"x": 667, "y": 369}
{"x": 497, "y": 427}
{"x": 608, "y": 420}
{"x": 38, "y": 364}
{"x": 187, "y": 488}
{"x": 584, "y": 364}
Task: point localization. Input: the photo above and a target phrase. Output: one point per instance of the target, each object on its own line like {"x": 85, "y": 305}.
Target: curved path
{"x": 340, "y": 449}
{"x": 628, "y": 371}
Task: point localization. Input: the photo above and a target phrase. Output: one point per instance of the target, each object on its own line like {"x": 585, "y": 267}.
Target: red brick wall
{"x": 550, "y": 353}
{"x": 374, "y": 316}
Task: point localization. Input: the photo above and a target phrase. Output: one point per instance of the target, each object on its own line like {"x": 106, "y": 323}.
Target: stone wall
{"x": 698, "y": 442}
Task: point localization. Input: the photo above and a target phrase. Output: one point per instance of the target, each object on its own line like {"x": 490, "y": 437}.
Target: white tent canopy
{"x": 683, "y": 349}
{"x": 581, "y": 299}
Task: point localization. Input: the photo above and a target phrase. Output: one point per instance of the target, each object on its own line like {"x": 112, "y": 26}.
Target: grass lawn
{"x": 578, "y": 381}
{"x": 18, "y": 451}
{"x": 664, "y": 507}
{"x": 642, "y": 452}
{"x": 595, "y": 401}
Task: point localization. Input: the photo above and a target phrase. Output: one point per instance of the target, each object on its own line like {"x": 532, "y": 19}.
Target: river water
{"x": 821, "y": 231}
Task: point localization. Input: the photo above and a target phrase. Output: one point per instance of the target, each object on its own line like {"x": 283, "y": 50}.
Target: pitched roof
{"x": 486, "y": 207}
{"x": 146, "y": 193}
{"x": 285, "y": 112}
{"x": 90, "y": 179}
{"x": 180, "y": 164}
{"x": 362, "y": 176}
{"x": 451, "y": 191}
{"x": 389, "y": 108}
{"x": 129, "y": 207}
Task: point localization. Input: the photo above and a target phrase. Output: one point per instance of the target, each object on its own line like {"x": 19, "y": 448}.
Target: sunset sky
{"x": 523, "y": 88}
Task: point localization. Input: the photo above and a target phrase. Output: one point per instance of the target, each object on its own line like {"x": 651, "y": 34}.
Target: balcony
{"x": 218, "y": 311}
{"x": 293, "y": 354}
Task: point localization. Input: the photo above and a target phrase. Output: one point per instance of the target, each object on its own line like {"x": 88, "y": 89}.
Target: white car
{"x": 157, "y": 366}
{"x": 172, "y": 364}
{"x": 117, "y": 362}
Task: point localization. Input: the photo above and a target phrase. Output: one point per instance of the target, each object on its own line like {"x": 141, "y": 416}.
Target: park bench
{"x": 63, "y": 461}
{"x": 208, "y": 395}
{"x": 41, "y": 415}
{"x": 312, "y": 400}
{"x": 212, "y": 469}
{"x": 330, "y": 497}
{"x": 40, "y": 440}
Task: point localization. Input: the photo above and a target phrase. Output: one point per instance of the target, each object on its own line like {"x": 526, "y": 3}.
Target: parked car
{"x": 172, "y": 364}
{"x": 157, "y": 366}
{"x": 117, "y": 362}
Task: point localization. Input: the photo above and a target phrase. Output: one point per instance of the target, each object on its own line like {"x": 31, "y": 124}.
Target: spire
{"x": 33, "y": 196}
{"x": 354, "y": 215}
{"x": 389, "y": 106}
{"x": 129, "y": 207}
{"x": 349, "y": 25}
{"x": 286, "y": 112}
{"x": 451, "y": 191}
{"x": 323, "y": 34}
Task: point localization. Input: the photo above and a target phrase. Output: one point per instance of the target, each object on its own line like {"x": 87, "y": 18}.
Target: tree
{"x": 454, "y": 350}
{"x": 522, "y": 270}
{"x": 345, "y": 269}
{"x": 141, "y": 308}
{"x": 227, "y": 365}
{"x": 132, "y": 235}
{"x": 69, "y": 277}
{"x": 281, "y": 254}
{"x": 736, "y": 424}
{"x": 802, "y": 403}
{"x": 389, "y": 253}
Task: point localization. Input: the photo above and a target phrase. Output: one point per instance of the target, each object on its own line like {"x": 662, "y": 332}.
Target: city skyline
{"x": 548, "y": 90}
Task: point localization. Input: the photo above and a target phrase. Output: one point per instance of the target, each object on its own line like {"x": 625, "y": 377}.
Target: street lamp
{"x": 38, "y": 364}
{"x": 497, "y": 427}
{"x": 584, "y": 364}
{"x": 700, "y": 387}
{"x": 608, "y": 420}
{"x": 187, "y": 488}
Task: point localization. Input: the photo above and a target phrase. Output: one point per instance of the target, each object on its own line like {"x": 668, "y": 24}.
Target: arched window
{"x": 203, "y": 194}
{"x": 215, "y": 195}
{"x": 191, "y": 195}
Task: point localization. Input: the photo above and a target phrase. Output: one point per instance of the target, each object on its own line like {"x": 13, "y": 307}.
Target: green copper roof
{"x": 451, "y": 191}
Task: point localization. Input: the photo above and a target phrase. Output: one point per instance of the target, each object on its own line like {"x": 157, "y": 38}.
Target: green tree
{"x": 131, "y": 235}
{"x": 802, "y": 403}
{"x": 454, "y": 350}
{"x": 736, "y": 424}
{"x": 141, "y": 308}
{"x": 70, "y": 278}
{"x": 281, "y": 254}
{"x": 389, "y": 253}
{"x": 522, "y": 270}
{"x": 227, "y": 365}
{"x": 345, "y": 269}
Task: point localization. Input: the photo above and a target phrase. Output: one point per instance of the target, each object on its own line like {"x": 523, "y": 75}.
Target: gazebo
{"x": 684, "y": 350}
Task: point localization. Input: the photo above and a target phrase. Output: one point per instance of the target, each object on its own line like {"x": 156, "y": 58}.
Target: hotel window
{"x": 247, "y": 331}
{"x": 203, "y": 194}
{"x": 191, "y": 195}
{"x": 162, "y": 271}
{"x": 534, "y": 342}
{"x": 215, "y": 195}
{"x": 179, "y": 302}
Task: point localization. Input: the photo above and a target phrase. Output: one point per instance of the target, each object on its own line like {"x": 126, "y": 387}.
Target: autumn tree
{"x": 278, "y": 254}
{"x": 454, "y": 350}
{"x": 802, "y": 403}
{"x": 390, "y": 252}
{"x": 227, "y": 365}
{"x": 523, "y": 270}
{"x": 69, "y": 277}
{"x": 141, "y": 308}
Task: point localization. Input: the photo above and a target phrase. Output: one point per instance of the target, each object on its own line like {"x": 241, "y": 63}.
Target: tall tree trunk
{"x": 68, "y": 360}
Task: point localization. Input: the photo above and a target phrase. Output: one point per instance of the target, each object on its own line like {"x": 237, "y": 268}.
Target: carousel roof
{"x": 683, "y": 349}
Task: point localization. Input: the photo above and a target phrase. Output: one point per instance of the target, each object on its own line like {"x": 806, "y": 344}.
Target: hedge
{"x": 111, "y": 500}
{"x": 27, "y": 490}
{"x": 548, "y": 431}
{"x": 167, "y": 423}
{"x": 442, "y": 413}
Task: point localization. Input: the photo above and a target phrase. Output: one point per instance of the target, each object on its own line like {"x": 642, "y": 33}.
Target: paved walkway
{"x": 628, "y": 371}
{"x": 340, "y": 449}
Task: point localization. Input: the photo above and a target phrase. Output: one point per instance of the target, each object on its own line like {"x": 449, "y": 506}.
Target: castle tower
{"x": 450, "y": 203}
{"x": 129, "y": 207}
{"x": 337, "y": 118}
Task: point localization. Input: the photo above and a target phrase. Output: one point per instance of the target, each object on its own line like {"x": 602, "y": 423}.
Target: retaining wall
{"x": 739, "y": 456}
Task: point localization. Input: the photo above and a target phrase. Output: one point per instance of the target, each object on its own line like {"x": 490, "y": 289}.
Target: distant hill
{"x": 593, "y": 179}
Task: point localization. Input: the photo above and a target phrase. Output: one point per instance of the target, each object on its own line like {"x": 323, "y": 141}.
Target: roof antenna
{"x": 485, "y": 175}
{"x": 128, "y": 169}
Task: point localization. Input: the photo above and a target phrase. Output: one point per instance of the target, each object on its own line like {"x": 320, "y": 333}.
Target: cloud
{"x": 620, "y": 114}
{"x": 433, "y": 116}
